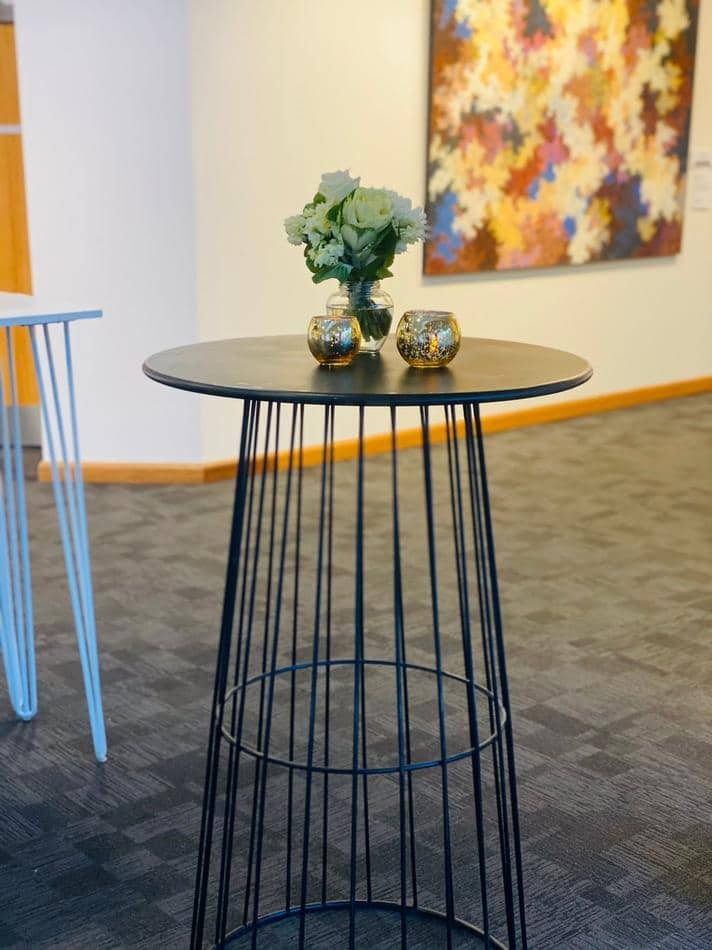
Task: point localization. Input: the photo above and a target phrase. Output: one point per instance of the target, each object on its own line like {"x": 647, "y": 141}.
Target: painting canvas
{"x": 558, "y": 131}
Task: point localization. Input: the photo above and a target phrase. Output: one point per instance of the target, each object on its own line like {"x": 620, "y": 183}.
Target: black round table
{"x": 360, "y": 783}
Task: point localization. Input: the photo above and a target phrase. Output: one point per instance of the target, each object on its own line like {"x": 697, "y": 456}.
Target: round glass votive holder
{"x": 334, "y": 341}
{"x": 427, "y": 339}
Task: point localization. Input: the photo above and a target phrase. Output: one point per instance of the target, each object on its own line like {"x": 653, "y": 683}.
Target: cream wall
{"x": 286, "y": 89}
{"x": 165, "y": 141}
{"x": 105, "y": 100}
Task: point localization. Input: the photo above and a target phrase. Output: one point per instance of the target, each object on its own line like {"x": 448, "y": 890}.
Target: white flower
{"x": 412, "y": 228}
{"x": 316, "y": 225}
{"x": 335, "y": 186}
{"x": 401, "y": 205}
{"x": 328, "y": 254}
{"x": 369, "y": 208}
{"x": 294, "y": 226}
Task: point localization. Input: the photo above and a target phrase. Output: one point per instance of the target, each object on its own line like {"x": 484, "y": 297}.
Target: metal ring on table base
{"x": 466, "y": 935}
{"x": 500, "y": 718}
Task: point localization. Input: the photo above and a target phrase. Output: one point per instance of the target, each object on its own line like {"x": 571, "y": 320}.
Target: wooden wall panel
{"x": 14, "y": 245}
{"x": 9, "y": 99}
{"x": 14, "y": 249}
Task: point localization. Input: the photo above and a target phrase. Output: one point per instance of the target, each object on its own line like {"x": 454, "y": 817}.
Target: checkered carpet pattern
{"x": 604, "y": 541}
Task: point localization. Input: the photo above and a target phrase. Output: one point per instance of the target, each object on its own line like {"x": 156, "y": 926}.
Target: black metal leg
{"x": 211, "y": 775}
{"x": 499, "y": 640}
{"x": 306, "y": 684}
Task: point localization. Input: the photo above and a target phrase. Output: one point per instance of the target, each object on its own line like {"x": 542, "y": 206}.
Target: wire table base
{"x": 327, "y": 795}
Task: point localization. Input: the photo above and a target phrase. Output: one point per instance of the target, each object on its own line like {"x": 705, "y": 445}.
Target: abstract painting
{"x": 558, "y": 131}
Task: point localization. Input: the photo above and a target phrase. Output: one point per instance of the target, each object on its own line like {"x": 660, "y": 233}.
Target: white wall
{"x": 285, "y": 90}
{"x": 104, "y": 90}
{"x": 145, "y": 177}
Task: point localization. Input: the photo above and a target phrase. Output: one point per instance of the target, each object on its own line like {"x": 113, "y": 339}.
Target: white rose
{"x": 369, "y": 208}
{"x": 294, "y": 226}
{"x": 335, "y": 186}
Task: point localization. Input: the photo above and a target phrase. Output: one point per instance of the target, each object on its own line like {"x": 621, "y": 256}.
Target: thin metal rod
{"x": 84, "y": 553}
{"x": 273, "y": 678}
{"x": 10, "y": 633}
{"x": 328, "y": 411}
{"x": 265, "y": 649}
{"x": 292, "y": 685}
{"x": 221, "y": 672}
{"x": 78, "y": 580}
{"x": 458, "y": 524}
{"x": 26, "y": 630}
{"x": 71, "y": 526}
{"x": 358, "y": 674}
{"x": 15, "y": 571}
{"x": 432, "y": 560}
{"x": 67, "y": 475}
{"x": 233, "y": 776}
{"x": 504, "y": 682}
{"x": 400, "y": 650}
{"x": 490, "y": 671}
{"x": 366, "y": 812}
{"x": 252, "y": 413}
{"x": 327, "y": 676}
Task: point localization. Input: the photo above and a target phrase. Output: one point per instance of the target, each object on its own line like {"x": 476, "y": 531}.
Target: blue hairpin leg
{"x": 16, "y": 623}
{"x": 71, "y": 511}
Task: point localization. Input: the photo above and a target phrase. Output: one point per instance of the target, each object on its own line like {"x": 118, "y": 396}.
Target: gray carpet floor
{"x": 604, "y": 537}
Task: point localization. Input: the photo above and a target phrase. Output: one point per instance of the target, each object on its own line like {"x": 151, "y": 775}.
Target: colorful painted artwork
{"x": 558, "y": 131}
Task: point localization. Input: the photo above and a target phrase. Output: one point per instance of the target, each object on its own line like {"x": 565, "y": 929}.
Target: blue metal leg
{"x": 71, "y": 511}
{"x": 16, "y": 622}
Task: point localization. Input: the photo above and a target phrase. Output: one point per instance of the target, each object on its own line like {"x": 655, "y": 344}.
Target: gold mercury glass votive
{"x": 334, "y": 341}
{"x": 428, "y": 338}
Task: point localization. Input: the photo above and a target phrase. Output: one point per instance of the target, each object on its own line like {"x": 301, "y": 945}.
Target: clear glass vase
{"x": 372, "y": 307}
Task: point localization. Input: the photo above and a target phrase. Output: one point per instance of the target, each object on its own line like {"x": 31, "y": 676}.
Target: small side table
{"x": 55, "y": 378}
{"x": 360, "y": 785}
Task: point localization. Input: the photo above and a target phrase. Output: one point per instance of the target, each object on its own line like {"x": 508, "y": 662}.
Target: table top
{"x": 27, "y": 310}
{"x": 281, "y": 368}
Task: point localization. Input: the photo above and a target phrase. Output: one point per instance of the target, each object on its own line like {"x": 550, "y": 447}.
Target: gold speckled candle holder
{"x": 427, "y": 339}
{"x": 334, "y": 341}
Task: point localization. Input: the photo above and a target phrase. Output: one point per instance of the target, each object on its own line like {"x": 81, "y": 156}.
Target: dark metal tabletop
{"x": 281, "y": 368}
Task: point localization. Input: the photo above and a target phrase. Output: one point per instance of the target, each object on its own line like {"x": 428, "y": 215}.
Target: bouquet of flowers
{"x": 353, "y": 234}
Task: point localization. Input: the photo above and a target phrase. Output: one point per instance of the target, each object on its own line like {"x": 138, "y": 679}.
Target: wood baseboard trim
{"x": 135, "y": 473}
{"x": 196, "y": 473}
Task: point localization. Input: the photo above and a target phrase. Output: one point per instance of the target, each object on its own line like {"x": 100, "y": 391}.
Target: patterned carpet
{"x": 604, "y": 536}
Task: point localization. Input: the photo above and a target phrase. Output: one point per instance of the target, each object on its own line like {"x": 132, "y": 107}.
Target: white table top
{"x": 25, "y": 310}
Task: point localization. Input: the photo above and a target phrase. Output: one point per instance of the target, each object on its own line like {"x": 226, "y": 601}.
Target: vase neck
{"x": 359, "y": 286}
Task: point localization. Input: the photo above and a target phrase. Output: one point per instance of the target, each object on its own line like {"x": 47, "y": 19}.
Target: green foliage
{"x": 355, "y": 237}
{"x": 341, "y": 272}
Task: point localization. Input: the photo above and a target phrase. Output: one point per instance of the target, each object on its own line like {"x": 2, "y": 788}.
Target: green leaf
{"x": 340, "y": 272}
{"x": 386, "y": 243}
{"x": 333, "y": 213}
{"x": 318, "y": 199}
{"x": 309, "y": 264}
